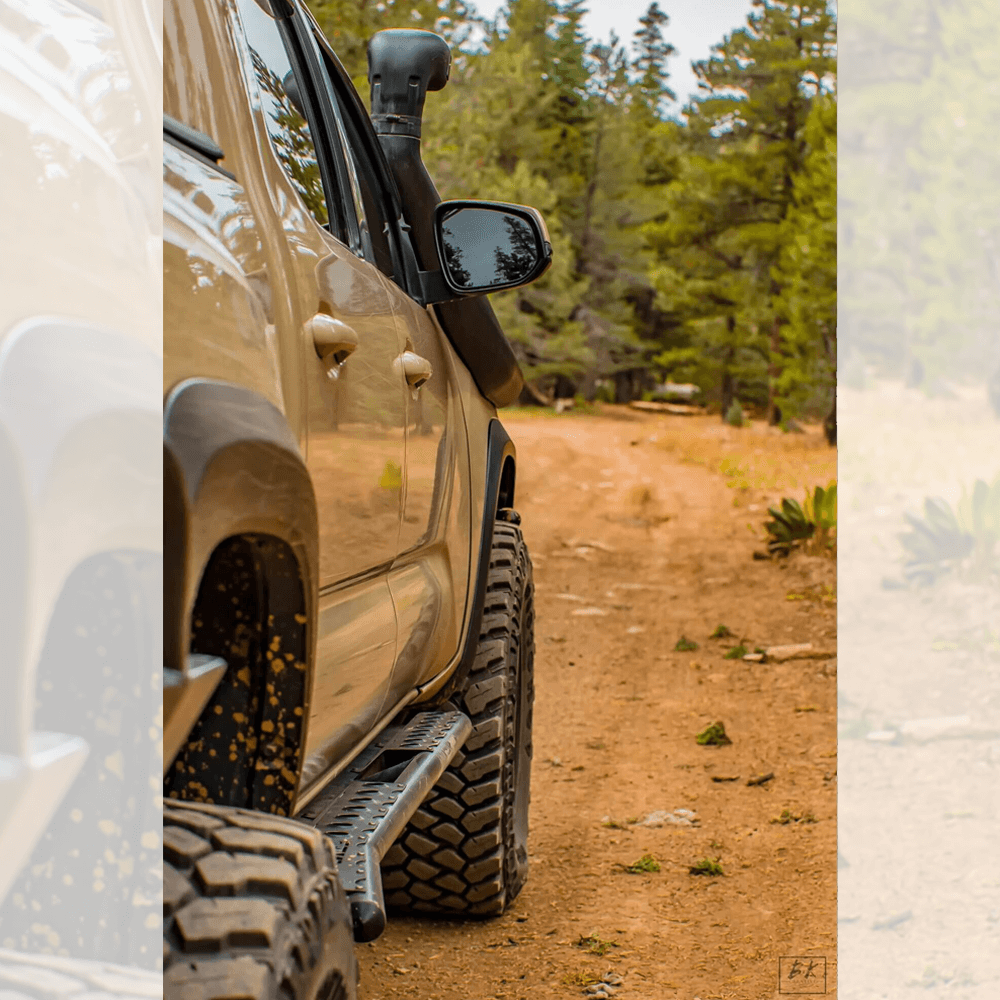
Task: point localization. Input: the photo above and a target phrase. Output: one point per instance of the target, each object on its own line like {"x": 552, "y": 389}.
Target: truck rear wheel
{"x": 465, "y": 849}
{"x": 252, "y": 908}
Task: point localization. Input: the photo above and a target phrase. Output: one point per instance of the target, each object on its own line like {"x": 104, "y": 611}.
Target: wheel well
{"x": 245, "y": 749}
{"x": 505, "y": 495}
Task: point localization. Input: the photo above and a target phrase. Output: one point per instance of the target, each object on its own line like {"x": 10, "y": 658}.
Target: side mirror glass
{"x": 490, "y": 246}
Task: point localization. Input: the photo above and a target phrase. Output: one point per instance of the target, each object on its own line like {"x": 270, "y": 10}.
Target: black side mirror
{"x": 486, "y": 246}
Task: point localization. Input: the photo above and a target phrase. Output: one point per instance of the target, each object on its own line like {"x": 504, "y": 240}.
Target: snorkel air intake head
{"x": 403, "y": 64}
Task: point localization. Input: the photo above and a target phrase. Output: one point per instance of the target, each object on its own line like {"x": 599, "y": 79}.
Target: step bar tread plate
{"x": 366, "y": 807}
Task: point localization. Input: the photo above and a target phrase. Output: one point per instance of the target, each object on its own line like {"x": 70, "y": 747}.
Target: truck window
{"x": 369, "y": 199}
{"x": 290, "y": 134}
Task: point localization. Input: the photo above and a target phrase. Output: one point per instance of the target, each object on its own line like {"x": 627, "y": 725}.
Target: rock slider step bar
{"x": 364, "y": 809}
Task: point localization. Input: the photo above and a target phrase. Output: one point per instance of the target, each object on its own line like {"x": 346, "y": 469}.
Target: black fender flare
{"x": 501, "y": 465}
{"x": 231, "y": 466}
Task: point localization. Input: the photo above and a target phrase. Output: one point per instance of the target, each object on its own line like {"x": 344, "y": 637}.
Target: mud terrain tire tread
{"x": 462, "y": 852}
{"x": 252, "y": 907}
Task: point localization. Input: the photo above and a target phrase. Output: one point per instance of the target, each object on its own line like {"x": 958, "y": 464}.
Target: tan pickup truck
{"x": 348, "y": 630}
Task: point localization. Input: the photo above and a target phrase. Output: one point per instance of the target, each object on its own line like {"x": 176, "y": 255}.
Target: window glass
{"x": 283, "y": 111}
{"x": 369, "y": 200}
{"x": 366, "y": 248}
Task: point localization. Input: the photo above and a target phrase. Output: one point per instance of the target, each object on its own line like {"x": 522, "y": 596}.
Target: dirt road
{"x": 633, "y": 549}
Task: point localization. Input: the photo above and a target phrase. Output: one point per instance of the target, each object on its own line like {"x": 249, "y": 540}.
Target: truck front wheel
{"x": 465, "y": 850}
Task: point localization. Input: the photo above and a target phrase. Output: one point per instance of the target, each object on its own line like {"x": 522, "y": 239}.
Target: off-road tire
{"x": 252, "y": 907}
{"x": 465, "y": 849}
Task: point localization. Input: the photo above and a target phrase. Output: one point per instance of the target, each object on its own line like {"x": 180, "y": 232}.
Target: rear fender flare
{"x": 232, "y": 467}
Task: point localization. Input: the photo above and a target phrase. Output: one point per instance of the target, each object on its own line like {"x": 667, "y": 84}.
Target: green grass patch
{"x": 737, "y": 652}
{"x": 707, "y": 866}
{"x": 713, "y": 736}
{"x": 787, "y": 817}
{"x": 647, "y": 863}
{"x": 685, "y": 645}
{"x": 595, "y": 945}
{"x": 721, "y": 632}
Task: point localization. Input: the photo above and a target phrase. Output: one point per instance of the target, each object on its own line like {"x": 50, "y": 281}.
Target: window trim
{"x": 333, "y": 166}
{"x": 325, "y": 138}
{"x": 341, "y": 224}
{"x": 358, "y": 123}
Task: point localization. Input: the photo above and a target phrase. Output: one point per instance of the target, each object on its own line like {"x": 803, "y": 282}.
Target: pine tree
{"x": 650, "y": 64}
{"x": 350, "y": 23}
{"x": 746, "y": 145}
{"x": 807, "y": 271}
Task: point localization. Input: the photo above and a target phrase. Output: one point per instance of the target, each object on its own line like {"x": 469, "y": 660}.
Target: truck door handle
{"x": 334, "y": 341}
{"x": 416, "y": 370}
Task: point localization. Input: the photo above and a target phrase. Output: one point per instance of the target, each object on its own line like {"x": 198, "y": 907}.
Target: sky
{"x": 694, "y": 27}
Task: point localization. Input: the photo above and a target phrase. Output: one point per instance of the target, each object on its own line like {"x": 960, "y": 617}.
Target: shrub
{"x": 707, "y": 866}
{"x": 814, "y": 522}
{"x": 734, "y": 415}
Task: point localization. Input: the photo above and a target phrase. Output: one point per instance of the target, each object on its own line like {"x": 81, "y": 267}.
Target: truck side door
{"x": 429, "y": 579}
{"x": 344, "y": 344}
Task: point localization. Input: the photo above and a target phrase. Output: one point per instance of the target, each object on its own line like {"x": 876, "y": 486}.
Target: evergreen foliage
{"x": 699, "y": 247}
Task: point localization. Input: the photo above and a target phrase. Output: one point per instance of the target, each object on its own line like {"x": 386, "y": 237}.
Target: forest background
{"x": 696, "y": 248}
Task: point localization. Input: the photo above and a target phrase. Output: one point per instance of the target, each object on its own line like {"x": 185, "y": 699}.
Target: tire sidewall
{"x": 519, "y": 750}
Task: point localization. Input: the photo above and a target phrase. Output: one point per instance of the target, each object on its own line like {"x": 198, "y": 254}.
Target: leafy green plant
{"x": 794, "y": 524}
{"x": 707, "y": 866}
{"x": 737, "y": 652}
{"x": 788, "y": 529}
{"x": 713, "y": 736}
{"x": 721, "y": 632}
{"x": 647, "y": 863}
{"x": 821, "y": 510}
{"x": 685, "y": 645}
{"x": 964, "y": 539}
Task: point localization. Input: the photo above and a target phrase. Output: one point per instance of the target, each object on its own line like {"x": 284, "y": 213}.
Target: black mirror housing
{"x": 489, "y": 246}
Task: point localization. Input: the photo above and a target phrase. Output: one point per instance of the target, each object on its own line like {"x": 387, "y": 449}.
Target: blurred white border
{"x": 919, "y": 666}
{"x": 80, "y": 492}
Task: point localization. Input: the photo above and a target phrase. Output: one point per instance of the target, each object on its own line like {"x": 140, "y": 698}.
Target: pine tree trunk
{"x": 728, "y": 389}
{"x": 830, "y": 424}
{"x": 774, "y": 415}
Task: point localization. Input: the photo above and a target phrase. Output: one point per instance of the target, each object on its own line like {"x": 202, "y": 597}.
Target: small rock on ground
{"x": 609, "y": 986}
{"x": 678, "y": 817}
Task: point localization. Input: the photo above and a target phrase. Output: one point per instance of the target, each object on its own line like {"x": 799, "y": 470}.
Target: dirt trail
{"x": 632, "y": 550}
